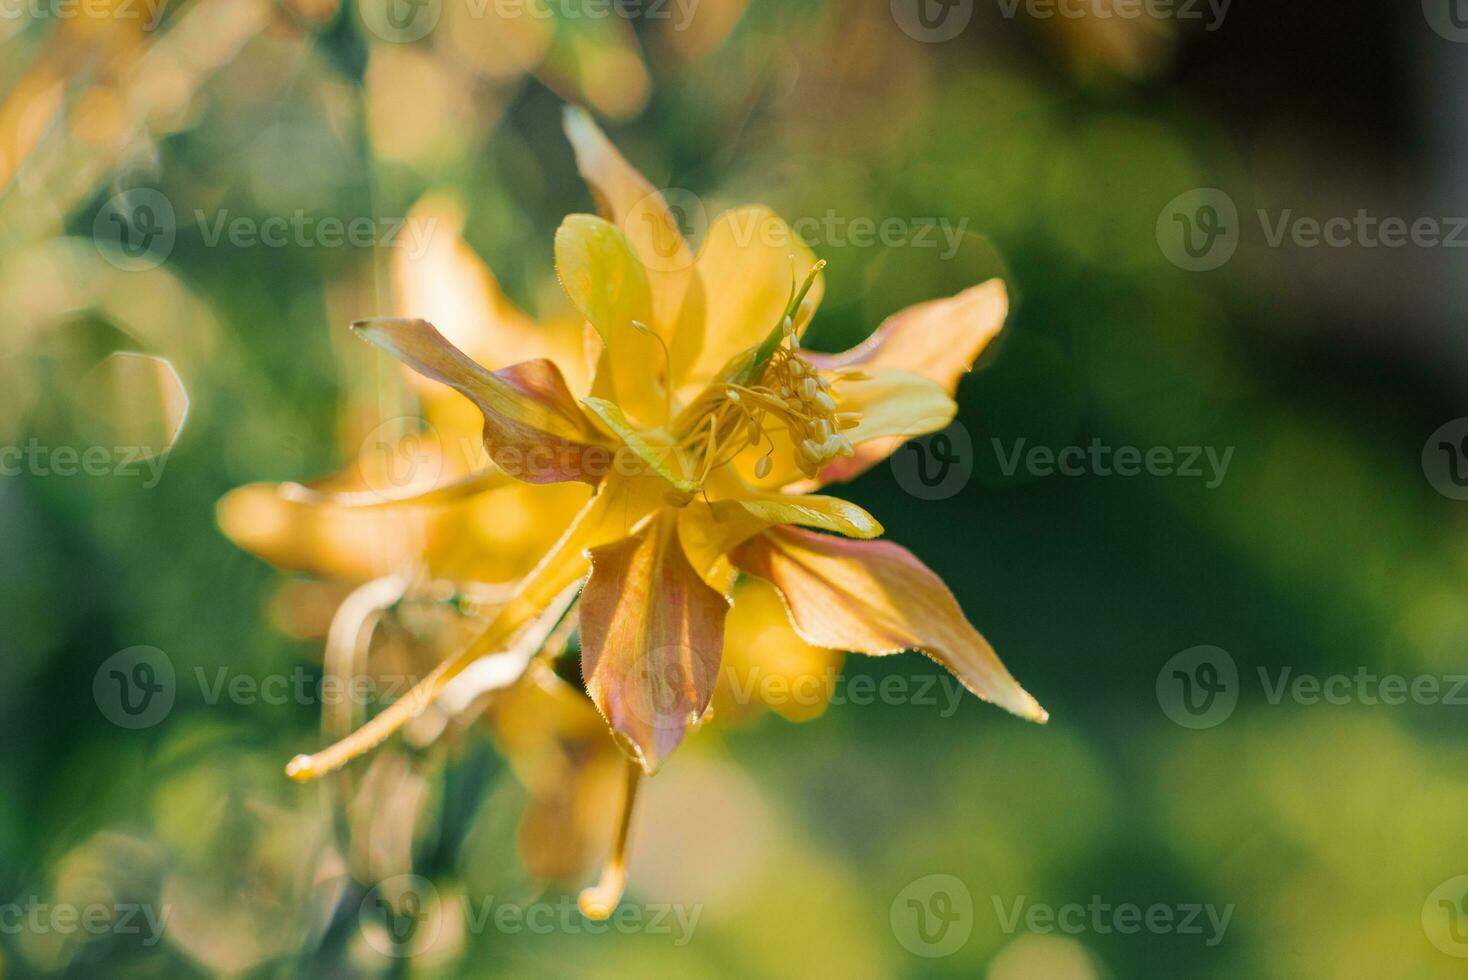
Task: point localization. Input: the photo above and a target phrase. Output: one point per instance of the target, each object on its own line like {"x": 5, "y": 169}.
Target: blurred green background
{"x": 1331, "y": 832}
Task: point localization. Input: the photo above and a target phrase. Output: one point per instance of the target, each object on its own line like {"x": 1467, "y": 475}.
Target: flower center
{"x": 790, "y": 394}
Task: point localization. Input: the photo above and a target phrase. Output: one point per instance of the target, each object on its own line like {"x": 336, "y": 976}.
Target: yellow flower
{"x": 706, "y": 429}
{"x": 372, "y": 519}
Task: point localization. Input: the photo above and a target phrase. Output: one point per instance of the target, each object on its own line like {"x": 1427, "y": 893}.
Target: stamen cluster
{"x": 793, "y": 394}
{"x": 809, "y": 414}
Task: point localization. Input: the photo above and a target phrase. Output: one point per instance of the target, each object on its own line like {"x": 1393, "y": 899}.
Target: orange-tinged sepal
{"x": 875, "y": 597}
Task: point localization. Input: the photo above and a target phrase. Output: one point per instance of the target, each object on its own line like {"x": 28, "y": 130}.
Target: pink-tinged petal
{"x": 874, "y": 597}
{"x": 652, "y": 633}
{"x": 533, "y": 428}
{"x": 939, "y": 339}
{"x": 627, "y": 199}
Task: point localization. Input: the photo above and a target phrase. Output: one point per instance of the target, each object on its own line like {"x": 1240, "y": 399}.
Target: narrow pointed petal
{"x": 608, "y": 284}
{"x": 627, "y": 199}
{"x": 652, "y": 633}
{"x": 874, "y": 597}
{"x": 265, "y": 520}
{"x": 409, "y": 496}
{"x": 484, "y": 528}
{"x": 750, "y": 262}
{"x": 812, "y": 510}
{"x": 939, "y": 340}
{"x": 533, "y": 427}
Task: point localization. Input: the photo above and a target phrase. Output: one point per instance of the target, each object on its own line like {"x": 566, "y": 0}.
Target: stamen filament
{"x": 667, "y": 366}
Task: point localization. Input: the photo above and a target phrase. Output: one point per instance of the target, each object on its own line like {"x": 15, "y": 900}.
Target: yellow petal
{"x": 939, "y": 340}
{"x": 620, "y": 504}
{"x": 533, "y": 428}
{"x": 445, "y": 282}
{"x": 479, "y": 530}
{"x": 662, "y": 459}
{"x": 607, "y": 283}
{"x": 767, "y": 664}
{"x": 652, "y": 633}
{"x": 895, "y": 406}
{"x": 874, "y": 597}
{"x": 750, "y": 262}
{"x": 894, "y": 403}
{"x": 628, "y": 200}
{"x": 322, "y": 540}
{"x": 812, "y": 510}
{"x": 560, "y": 750}
{"x": 407, "y": 496}
{"x": 709, "y": 531}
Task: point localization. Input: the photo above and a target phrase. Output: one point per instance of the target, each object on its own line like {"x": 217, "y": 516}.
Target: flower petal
{"x": 652, "y": 633}
{"x": 750, "y": 262}
{"x": 894, "y": 403}
{"x": 874, "y": 597}
{"x": 322, "y": 540}
{"x": 711, "y": 531}
{"x": 533, "y": 428}
{"x": 408, "y": 496}
{"x": 811, "y": 510}
{"x": 559, "y": 749}
{"x": 620, "y": 503}
{"x": 766, "y": 663}
{"x": 663, "y": 460}
{"x": 448, "y": 284}
{"x": 939, "y": 339}
{"x": 607, "y": 283}
{"x": 628, "y": 200}
{"x": 895, "y": 406}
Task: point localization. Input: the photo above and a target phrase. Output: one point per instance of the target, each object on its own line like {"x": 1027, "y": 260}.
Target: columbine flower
{"x": 707, "y": 428}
